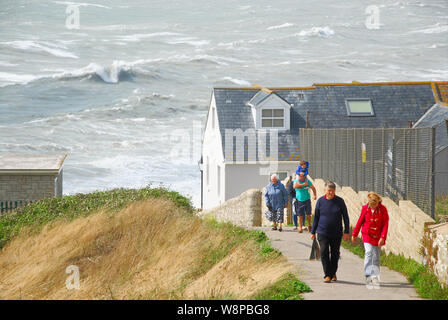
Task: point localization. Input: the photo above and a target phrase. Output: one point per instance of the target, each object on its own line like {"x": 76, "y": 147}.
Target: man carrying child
{"x": 303, "y": 203}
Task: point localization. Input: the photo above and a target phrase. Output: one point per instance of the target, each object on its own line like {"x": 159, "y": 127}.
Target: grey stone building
{"x": 30, "y": 177}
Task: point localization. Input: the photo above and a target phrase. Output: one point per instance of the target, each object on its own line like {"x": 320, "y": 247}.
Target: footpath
{"x": 296, "y": 247}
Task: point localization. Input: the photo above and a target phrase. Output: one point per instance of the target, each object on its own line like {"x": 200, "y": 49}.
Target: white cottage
{"x": 251, "y": 133}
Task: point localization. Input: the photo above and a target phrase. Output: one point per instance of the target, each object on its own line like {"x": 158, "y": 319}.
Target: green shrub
{"x": 288, "y": 288}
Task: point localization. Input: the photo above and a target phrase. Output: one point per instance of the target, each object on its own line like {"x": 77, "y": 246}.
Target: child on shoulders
{"x": 303, "y": 167}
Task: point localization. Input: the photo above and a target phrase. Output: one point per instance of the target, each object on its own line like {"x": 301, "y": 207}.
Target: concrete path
{"x": 296, "y": 247}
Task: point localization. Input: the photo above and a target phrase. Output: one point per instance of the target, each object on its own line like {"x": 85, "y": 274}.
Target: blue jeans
{"x": 371, "y": 260}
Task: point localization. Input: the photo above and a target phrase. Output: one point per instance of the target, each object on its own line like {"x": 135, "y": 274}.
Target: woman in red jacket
{"x": 374, "y": 221}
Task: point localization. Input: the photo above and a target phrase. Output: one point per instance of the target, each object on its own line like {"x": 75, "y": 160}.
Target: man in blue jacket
{"x": 329, "y": 212}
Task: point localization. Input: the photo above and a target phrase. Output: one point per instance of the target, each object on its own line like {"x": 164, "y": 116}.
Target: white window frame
{"x": 278, "y": 174}
{"x": 273, "y": 118}
{"x": 359, "y": 114}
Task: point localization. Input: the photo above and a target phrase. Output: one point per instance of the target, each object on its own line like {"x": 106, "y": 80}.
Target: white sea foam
{"x": 317, "y": 31}
{"x": 237, "y": 81}
{"x": 140, "y": 36}
{"x": 7, "y": 64}
{"x": 12, "y": 78}
{"x": 285, "y": 25}
{"x": 189, "y": 40}
{"x": 82, "y": 4}
{"x": 437, "y": 28}
{"x": 29, "y": 45}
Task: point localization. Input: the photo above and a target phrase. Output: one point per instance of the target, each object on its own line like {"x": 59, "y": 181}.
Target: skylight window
{"x": 359, "y": 107}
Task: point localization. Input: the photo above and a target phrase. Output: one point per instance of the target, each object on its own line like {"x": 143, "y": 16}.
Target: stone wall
{"x": 243, "y": 210}
{"x": 27, "y": 187}
{"x": 435, "y": 250}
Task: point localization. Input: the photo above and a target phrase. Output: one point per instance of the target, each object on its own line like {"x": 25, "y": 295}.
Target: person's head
{"x": 330, "y": 190}
{"x": 274, "y": 179}
{"x": 303, "y": 164}
{"x": 374, "y": 200}
{"x": 301, "y": 176}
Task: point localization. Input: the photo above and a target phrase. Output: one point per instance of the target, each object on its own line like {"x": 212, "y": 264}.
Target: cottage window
{"x": 359, "y": 107}
{"x": 272, "y": 118}
{"x": 282, "y": 175}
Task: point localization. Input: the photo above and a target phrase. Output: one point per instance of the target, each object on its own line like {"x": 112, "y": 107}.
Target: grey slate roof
{"x": 259, "y": 97}
{"x": 395, "y": 105}
{"x": 435, "y": 117}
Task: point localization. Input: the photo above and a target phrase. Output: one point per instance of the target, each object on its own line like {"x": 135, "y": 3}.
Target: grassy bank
{"x": 425, "y": 282}
{"x": 136, "y": 244}
{"x": 36, "y": 215}
{"x": 441, "y": 208}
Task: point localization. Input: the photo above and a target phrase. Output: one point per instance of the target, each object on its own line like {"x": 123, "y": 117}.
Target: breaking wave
{"x": 317, "y": 31}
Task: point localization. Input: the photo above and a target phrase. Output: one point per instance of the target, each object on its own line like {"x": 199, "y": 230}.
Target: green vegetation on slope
{"x": 38, "y": 214}
{"x": 441, "y": 207}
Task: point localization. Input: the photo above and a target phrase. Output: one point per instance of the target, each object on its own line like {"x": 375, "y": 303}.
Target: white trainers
{"x": 373, "y": 282}
{"x": 369, "y": 284}
{"x": 376, "y": 282}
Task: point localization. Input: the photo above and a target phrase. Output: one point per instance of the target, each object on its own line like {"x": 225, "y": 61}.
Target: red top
{"x": 374, "y": 224}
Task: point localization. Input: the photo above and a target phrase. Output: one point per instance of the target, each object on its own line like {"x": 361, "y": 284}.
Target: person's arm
{"x": 314, "y": 192}
{"x": 266, "y": 198}
{"x": 316, "y": 219}
{"x": 359, "y": 223}
{"x": 298, "y": 185}
{"x": 346, "y": 220}
{"x": 292, "y": 191}
{"x": 385, "y": 227}
{"x": 285, "y": 196}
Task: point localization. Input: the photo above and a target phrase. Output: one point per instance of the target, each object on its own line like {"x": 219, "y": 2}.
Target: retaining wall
{"x": 243, "y": 210}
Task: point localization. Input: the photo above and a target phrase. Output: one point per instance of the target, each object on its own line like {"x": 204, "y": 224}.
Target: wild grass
{"x": 287, "y": 288}
{"x": 441, "y": 207}
{"x": 135, "y": 244}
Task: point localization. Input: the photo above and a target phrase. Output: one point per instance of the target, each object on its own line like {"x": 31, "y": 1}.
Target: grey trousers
{"x": 371, "y": 260}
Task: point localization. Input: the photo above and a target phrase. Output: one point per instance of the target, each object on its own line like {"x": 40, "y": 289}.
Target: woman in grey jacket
{"x": 276, "y": 198}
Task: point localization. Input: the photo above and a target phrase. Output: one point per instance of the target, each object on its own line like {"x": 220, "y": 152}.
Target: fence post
{"x": 355, "y": 161}
{"x": 347, "y": 154}
{"x": 383, "y": 167}
{"x": 372, "y": 160}
{"x": 406, "y": 163}
{"x": 432, "y": 174}
{"x": 363, "y": 165}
